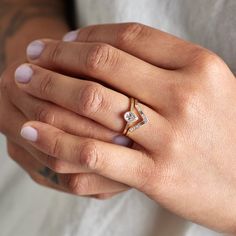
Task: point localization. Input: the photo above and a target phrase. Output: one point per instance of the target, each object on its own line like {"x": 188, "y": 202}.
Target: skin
{"x": 21, "y": 22}
{"x": 184, "y": 158}
{"x": 159, "y": 167}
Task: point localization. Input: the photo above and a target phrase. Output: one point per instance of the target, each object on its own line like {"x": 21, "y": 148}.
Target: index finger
{"x": 149, "y": 44}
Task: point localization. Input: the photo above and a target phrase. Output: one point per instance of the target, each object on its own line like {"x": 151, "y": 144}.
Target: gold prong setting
{"x": 132, "y": 118}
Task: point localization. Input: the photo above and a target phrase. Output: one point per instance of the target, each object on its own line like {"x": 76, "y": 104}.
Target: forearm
{"x": 22, "y": 21}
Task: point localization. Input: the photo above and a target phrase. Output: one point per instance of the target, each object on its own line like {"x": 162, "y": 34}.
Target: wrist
{"x": 24, "y": 21}
{"x": 15, "y": 46}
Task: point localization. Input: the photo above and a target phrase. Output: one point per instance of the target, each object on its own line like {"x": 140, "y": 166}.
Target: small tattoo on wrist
{"x": 13, "y": 17}
{"x": 55, "y": 179}
{"x": 46, "y": 172}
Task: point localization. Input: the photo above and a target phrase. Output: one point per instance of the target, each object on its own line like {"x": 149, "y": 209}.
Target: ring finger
{"x": 106, "y": 64}
{"x": 91, "y": 100}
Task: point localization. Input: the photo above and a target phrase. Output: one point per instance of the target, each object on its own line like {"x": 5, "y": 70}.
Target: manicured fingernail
{"x": 35, "y": 49}
{"x": 29, "y": 133}
{"x": 122, "y": 141}
{"x": 23, "y": 74}
{"x": 70, "y": 36}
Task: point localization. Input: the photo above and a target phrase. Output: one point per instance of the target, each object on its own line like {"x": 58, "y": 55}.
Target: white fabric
{"x": 27, "y": 209}
{"x": 210, "y": 23}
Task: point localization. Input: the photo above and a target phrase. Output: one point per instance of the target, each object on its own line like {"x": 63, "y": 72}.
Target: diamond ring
{"x": 135, "y": 117}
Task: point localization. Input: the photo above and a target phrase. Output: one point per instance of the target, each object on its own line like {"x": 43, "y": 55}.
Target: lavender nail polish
{"x": 35, "y": 49}
{"x": 122, "y": 141}
{"x": 70, "y": 36}
{"x": 23, "y": 74}
{"x": 29, "y": 133}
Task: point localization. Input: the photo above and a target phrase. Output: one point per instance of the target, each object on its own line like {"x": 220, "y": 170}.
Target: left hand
{"x": 184, "y": 158}
{"x": 18, "y": 107}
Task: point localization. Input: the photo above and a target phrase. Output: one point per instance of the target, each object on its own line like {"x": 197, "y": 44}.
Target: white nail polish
{"x": 29, "y": 133}
{"x": 122, "y": 141}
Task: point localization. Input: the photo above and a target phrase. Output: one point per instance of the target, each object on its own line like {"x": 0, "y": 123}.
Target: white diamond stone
{"x": 130, "y": 117}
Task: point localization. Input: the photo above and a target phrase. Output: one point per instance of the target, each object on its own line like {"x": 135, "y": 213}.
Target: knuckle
{"x": 184, "y": 102}
{"x": 99, "y": 56}
{"x": 172, "y": 144}
{"x": 78, "y": 184}
{"x": 56, "y": 147}
{"x": 167, "y": 168}
{"x": 89, "y": 132}
{"x": 144, "y": 174}
{"x": 186, "y": 99}
{"x": 55, "y": 165}
{"x": 208, "y": 63}
{"x": 55, "y": 53}
{"x": 46, "y": 84}
{"x": 87, "y": 34}
{"x": 43, "y": 114}
{"x": 129, "y": 33}
{"x": 91, "y": 99}
{"x": 89, "y": 155}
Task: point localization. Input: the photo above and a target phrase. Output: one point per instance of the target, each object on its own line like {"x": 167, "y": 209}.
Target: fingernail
{"x": 29, "y": 133}
{"x": 122, "y": 141}
{"x": 23, "y": 74}
{"x": 35, "y": 49}
{"x": 70, "y": 36}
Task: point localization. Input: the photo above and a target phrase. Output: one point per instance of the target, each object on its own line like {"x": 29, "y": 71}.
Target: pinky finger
{"x": 32, "y": 166}
{"x": 79, "y": 184}
{"x": 87, "y": 184}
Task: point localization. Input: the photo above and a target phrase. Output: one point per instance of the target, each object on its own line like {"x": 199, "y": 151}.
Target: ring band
{"x": 135, "y": 117}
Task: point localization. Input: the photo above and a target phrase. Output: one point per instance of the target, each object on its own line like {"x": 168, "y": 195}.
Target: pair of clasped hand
{"x": 62, "y": 114}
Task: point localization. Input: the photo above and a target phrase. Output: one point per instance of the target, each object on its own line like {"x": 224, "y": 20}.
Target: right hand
{"x": 16, "y": 108}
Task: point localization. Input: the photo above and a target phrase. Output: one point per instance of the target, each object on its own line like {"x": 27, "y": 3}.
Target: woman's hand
{"x": 184, "y": 157}
{"x": 18, "y": 107}
{"x": 36, "y": 19}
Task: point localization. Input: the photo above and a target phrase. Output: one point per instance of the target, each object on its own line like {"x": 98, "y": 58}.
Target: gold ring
{"x": 135, "y": 117}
